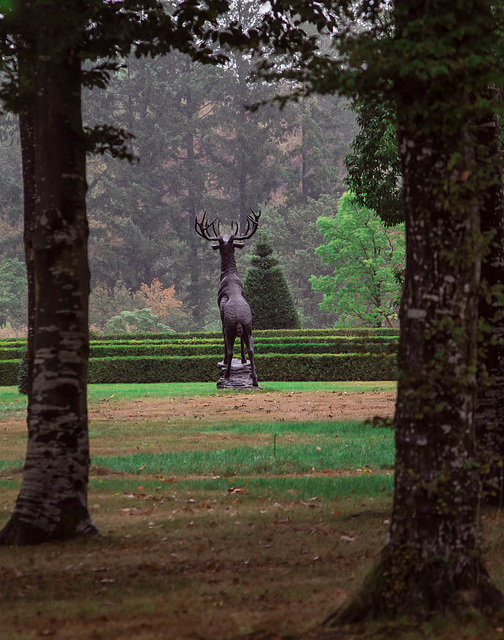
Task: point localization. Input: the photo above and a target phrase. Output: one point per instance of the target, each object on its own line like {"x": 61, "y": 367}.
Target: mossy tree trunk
{"x": 432, "y": 560}
{"x": 52, "y": 503}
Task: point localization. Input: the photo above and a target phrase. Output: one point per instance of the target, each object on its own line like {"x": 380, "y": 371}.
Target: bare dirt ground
{"x": 256, "y": 407}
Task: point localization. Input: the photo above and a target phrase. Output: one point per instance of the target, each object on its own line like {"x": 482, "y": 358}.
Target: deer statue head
{"x": 226, "y": 243}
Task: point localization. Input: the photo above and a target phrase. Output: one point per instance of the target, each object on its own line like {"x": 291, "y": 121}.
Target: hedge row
{"x": 295, "y": 344}
{"x": 270, "y": 367}
{"x": 290, "y": 354}
{"x": 199, "y": 335}
{"x": 215, "y": 349}
{"x": 9, "y": 371}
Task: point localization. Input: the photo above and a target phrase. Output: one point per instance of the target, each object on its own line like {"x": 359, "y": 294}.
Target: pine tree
{"x": 268, "y": 292}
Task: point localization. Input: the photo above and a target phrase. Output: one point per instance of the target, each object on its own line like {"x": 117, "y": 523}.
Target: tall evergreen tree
{"x": 268, "y": 292}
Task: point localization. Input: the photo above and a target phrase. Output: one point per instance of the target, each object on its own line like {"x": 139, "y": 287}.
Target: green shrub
{"x": 267, "y": 291}
{"x": 11, "y": 353}
{"x": 323, "y": 347}
{"x": 294, "y": 344}
{"x": 156, "y": 350}
{"x": 362, "y": 366}
{"x": 139, "y": 319}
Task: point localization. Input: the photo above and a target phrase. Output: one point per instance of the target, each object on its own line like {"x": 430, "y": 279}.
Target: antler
{"x": 203, "y": 227}
{"x": 253, "y": 221}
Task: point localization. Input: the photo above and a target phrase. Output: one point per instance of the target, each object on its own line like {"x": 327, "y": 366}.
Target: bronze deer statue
{"x": 235, "y": 311}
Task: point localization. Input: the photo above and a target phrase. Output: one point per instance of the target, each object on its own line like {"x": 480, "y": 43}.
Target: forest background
{"x": 199, "y": 149}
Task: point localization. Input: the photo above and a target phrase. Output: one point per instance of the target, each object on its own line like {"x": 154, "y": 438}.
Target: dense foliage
{"x": 198, "y": 149}
{"x": 367, "y": 259}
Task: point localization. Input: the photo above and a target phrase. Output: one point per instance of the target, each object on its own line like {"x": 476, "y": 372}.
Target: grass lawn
{"x": 215, "y": 524}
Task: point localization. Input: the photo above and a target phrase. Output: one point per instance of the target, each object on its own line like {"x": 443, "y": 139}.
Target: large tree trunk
{"x": 490, "y": 400}
{"x": 52, "y": 503}
{"x": 432, "y": 560}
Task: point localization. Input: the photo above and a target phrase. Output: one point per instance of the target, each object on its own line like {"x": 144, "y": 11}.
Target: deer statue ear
{"x": 215, "y": 246}
{"x": 238, "y": 244}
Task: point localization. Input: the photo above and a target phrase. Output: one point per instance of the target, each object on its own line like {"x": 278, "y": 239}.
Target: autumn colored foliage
{"x": 162, "y": 302}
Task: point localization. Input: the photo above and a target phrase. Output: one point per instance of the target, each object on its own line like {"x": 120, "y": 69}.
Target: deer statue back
{"x": 235, "y": 311}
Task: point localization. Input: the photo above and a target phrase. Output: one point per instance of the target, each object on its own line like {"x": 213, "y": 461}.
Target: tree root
{"x": 19, "y": 532}
{"x": 397, "y": 587}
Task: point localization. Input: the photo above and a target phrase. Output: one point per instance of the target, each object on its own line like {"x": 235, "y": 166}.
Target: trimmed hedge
{"x": 291, "y": 354}
{"x": 270, "y": 367}
{"x": 9, "y": 372}
{"x": 362, "y": 366}
{"x": 212, "y": 346}
{"x": 155, "y": 369}
{"x": 200, "y": 335}
{"x": 351, "y": 345}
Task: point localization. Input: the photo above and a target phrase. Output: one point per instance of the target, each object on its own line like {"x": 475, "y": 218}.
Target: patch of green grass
{"x": 11, "y": 464}
{"x": 117, "y": 392}
{"x": 275, "y": 459}
{"x": 11, "y": 402}
{"x": 179, "y": 389}
{"x": 11, "y": 396}
{"x": 332, "y": 428}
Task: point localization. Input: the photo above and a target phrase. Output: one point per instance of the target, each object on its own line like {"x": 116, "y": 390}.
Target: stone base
{"x": 240, "y": 378}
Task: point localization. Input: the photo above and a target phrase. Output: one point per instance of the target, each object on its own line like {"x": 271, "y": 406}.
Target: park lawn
{"x": 214, "y": 529}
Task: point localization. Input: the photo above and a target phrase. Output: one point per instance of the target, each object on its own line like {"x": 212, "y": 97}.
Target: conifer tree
{"x": 267, "y": 291}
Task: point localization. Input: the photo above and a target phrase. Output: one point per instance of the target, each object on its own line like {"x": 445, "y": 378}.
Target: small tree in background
{"x": 368, "y": 260}
{"x": 162, "y": 302}
{"x": 109, "y": 308}
{"x": 105, "y": 303}
{"x": 268, "y": 292}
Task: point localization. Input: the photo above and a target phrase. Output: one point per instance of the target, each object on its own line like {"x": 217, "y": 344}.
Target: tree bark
{"x": 432, "y": 560}
{"x": 27, "y": 135}
{"x": 490, "y": 399}
{"x": 52, "y": 503}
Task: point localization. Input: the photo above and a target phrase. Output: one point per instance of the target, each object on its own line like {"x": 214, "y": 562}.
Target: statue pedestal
{"x": 240, "y": 378}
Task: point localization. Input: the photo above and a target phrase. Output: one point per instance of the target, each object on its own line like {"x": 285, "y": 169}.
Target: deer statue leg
{"x": 229, "y": 344}
{"x": 249, "y": 341}
{"x": 243, "y": 358}
{"x": 225, "y": 349}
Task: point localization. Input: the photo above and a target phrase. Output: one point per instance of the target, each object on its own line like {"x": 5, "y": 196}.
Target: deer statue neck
{"x": 228, "y": 262}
